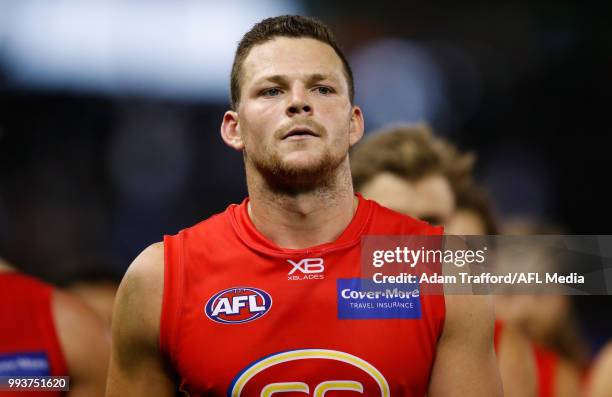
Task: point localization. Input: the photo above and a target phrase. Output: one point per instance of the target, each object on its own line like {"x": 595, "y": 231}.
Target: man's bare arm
{"x": 600, "y": 384}
{"x": 465, "y": 361}
{"x": 567, "y": 380}
{"x": 137, "y": 367}
{"x": 85, "y": 342}
{"x": 517, "y": 364}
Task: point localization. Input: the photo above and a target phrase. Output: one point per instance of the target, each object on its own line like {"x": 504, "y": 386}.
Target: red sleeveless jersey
{"x": 243, "y": 317}
{"x": 497, "y": 333}
{"x": 29, "y": 345}
{"x": 546, "y": 365}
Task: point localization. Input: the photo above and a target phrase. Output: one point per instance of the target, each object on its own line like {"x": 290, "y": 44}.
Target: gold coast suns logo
{"x": 310, "y": 372}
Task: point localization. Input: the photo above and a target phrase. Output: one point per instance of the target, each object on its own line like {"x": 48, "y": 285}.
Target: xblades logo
{"x": 309, "y": 269}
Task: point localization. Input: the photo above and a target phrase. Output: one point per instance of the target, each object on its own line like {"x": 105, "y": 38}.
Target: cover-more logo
{"x": 306, "y": 269}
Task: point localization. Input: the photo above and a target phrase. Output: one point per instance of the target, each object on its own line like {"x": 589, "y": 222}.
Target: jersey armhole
{"x": 172, "y": 295}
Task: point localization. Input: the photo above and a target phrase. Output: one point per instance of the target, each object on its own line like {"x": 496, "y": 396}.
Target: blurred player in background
{"x": 410, "y": 170}
{"x": 546, "y": 319}
{"x": 550, "y": 322}
{"x": 294, "y": 242}
{"x": 97, "y": 288}
{"x": 47, "y": 332}
{"x": 406, "y": 169}
{"x": 474, "y": 214}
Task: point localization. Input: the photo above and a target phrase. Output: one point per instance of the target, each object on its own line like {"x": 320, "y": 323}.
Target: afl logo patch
{"x": 238, "y": 305}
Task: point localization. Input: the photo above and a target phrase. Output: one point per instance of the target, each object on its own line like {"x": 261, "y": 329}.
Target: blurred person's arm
{"x": 517, "y": 364}
{"x": 85, "y": 341}
{"x": 465, "y": 360}
{"x": 567, "y": 380}
{"x": 600, "y": 383}
{"x": 137, "y": 367}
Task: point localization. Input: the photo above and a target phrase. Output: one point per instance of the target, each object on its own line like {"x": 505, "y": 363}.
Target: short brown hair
{"x": 295, "y": 26}
{"x": 410, "y": 151}
{"x": 476, "y": 199}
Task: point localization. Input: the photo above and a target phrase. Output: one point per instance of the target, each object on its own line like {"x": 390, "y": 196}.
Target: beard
{"x": 291, "y": 178}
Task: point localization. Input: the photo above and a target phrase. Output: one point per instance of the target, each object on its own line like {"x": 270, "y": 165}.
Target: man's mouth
{"x": 300, "y": 132}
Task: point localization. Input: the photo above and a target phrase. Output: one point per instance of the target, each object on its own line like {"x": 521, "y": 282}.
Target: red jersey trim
{"x": 252, "y": 238}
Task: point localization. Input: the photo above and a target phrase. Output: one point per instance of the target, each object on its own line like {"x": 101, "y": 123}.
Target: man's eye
{"x": 324, "y": 90}
{"x": 271, "y": 92}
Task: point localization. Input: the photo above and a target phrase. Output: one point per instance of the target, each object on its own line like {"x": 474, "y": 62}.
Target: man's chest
{"x": 305, "y": 325}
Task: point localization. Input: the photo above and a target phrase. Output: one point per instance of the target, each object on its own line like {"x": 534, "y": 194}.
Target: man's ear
{"x": 356, "y": 126}
{"x": 230, "y": 131}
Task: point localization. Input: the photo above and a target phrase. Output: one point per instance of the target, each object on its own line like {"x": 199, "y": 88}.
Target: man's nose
{"x": 299, "y": 103}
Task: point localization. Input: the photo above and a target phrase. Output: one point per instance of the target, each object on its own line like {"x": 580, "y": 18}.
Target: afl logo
{"x": 238, "y": 305}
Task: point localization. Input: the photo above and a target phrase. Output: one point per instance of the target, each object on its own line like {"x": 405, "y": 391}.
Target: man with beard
{"x": 266, "y": 297}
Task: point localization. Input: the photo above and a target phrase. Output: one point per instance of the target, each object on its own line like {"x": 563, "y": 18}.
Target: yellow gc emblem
{"x": 367, "y": 373}
{"x": 319, "y": 391}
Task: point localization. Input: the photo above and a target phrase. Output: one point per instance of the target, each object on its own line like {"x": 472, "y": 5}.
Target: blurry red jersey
{"x": 29, "y": 345}
{"x": 243, "y": 317}
{"x": 546, "y": 364}
{"x": 497, "y": 333}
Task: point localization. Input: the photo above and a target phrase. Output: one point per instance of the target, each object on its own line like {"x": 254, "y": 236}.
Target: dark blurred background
{"x": 110, "y": 114}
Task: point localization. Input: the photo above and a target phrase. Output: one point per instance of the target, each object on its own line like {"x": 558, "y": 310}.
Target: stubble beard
{"x": 286, "y": 178}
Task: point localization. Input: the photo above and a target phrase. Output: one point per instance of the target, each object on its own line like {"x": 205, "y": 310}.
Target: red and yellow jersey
{"x": 29, "y": 345}
{"x": 243, "y": 317}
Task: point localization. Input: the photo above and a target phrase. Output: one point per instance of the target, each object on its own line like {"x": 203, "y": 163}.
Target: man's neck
{"x": 303, "y": 220}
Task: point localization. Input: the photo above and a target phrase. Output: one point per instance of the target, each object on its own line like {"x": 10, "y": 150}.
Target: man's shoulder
{"x": 392, "y": 222}
{"x": 139, "y": 297}
{"x": 85, "y": 347}
{"x": 146, "y": 271}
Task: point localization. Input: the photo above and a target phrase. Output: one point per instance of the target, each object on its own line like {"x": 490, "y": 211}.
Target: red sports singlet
{"x": 28, "y": 341}
{"x": 243, "y": 317}
{"x": 546, "y": 365}
{"x": 497, "y": 333}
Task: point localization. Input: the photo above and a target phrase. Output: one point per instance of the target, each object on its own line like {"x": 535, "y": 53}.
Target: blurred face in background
{"x": 465, "y": 222}
{"x": 540, "y": 316}
{"x": 430, "y": 198}
{"x": 295, "y": 118}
